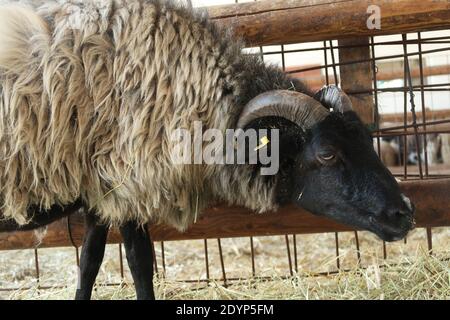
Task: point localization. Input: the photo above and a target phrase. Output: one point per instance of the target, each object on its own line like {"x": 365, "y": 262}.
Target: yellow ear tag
{"x": 264, "y": 142}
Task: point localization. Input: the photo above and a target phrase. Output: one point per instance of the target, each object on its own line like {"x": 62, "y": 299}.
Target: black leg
{"x": 92, "y": 254}
{"x": 140, "y": 258}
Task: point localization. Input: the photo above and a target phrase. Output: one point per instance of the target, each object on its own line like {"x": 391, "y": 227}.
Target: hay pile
{"x": 409, "y": 272}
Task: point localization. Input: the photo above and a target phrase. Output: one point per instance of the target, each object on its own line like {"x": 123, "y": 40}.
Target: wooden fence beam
{"x": 357, "y": 76}
{"x": 281, "y": 22}
{"x": 430, "y": 197}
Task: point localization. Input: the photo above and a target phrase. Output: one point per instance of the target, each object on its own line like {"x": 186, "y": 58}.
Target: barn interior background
{"x": 399, "y": 80}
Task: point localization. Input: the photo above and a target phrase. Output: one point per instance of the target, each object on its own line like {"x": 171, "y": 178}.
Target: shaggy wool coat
{"x": 90, "y": 92}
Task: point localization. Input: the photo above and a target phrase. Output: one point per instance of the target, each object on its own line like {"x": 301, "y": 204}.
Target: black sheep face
{"x": 338, "y": 175}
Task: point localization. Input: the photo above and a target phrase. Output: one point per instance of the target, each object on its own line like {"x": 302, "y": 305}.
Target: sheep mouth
{"x": 392, "y": 229}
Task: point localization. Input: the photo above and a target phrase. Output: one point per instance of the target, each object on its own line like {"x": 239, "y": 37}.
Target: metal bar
{"x": 121, "y": 262}
{"x": 222, "y": 264}
{"x": 295, "y": 253}
{"x": 163, "y": 258}
{"x": 205, "y": 242}
{"x": 154, "y": 257}
{"x": 36, "y": 267}
{"x": 422, "y": 100}
{"x": 434, "y": 122}
{"x": 375, "y": 87}
{"x": 358, "y": 252}
{"x": 429, "y": 240}
{"x": 408, "y": 133}
{"x": 288, "y": 251}
{"x": 77, "y": 256}
{"x": 252, "y": 252}
{"x": 427, "y": 87}
{"x": 413, "y": 106}
{"x": 338, "y": 261}
{"x": 333, "y": 63}
{"x": 325, "y": 56}
{"x": 405, "y": 117}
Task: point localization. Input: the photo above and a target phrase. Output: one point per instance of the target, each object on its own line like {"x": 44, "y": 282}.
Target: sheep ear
{"x": 332, "y": 97}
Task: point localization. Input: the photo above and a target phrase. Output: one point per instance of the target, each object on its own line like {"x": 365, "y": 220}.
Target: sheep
{"x": 432, "y": 148}
{"x": 445, "y": 147}
{"x": 92, "y": 91}
{"x": 415, "y": 148}
{"x": 388, "y": 153}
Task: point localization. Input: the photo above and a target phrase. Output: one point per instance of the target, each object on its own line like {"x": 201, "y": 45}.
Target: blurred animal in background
{"x": 387, "y": 151}
{"x": 416, "y": 149}
{"x": 445, "y": 147}
{"x": 392, "y": 149}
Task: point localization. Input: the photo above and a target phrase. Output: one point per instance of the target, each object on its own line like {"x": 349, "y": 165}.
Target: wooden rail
{"x": 272, "y": 22}
{"x": 430, "y": 197}
{"x": 441, "y": 169}
{"x": 357, "y": 76}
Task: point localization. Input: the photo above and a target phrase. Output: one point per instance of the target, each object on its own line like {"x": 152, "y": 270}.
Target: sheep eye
{"x": 326, "y": 156}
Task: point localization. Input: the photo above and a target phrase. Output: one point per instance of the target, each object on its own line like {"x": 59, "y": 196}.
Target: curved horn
{"x": 334, "y": 97}
{"x": 297, "y": 107}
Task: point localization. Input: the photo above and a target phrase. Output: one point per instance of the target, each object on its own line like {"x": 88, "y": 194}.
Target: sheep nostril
{"x": 392, "y": 213}
{"x": 395, "y": 213}
{"x": 403, "y": 213}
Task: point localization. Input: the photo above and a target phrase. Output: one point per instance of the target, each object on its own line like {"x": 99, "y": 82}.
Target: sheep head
{"x": 327, "y": 161}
